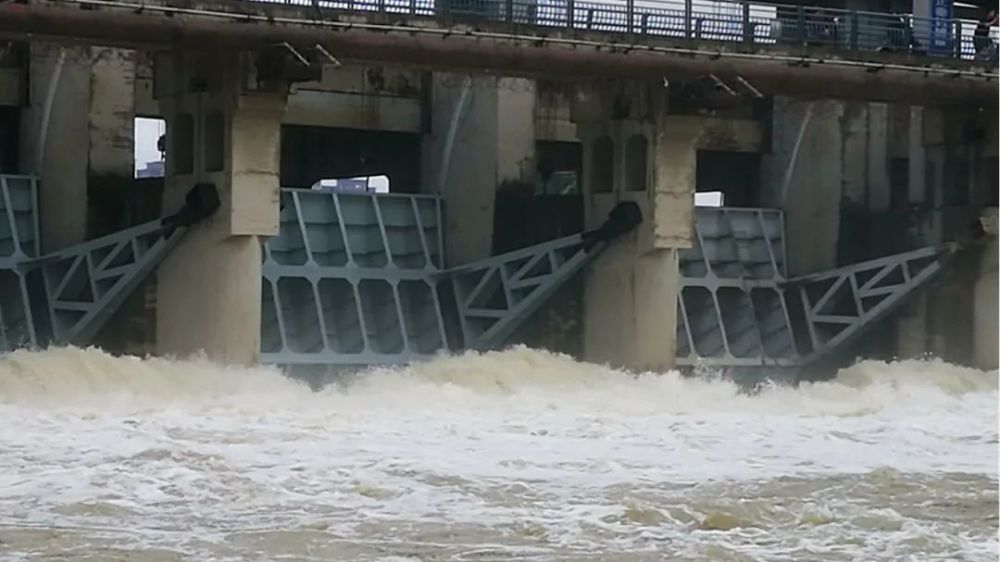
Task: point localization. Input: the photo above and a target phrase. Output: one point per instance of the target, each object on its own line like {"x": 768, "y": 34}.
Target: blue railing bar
{"x": 738, "y": 21}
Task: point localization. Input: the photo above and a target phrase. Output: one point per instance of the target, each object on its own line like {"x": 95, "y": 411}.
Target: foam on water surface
{"x": 513, "y": 455}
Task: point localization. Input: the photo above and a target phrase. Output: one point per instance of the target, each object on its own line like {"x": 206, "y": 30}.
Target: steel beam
{"x": 66, "y": 296}
{"x": 496, "y": 295}
{"x": 837, "y": 306}
{"x": 83, "y": 285}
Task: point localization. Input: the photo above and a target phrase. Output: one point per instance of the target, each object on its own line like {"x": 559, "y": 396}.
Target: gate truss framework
{"x": 66, "y": 296}
{"x": 360, "y": 280}
{"x": 737, "y": 308}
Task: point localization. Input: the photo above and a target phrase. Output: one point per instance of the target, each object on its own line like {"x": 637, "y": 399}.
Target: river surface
{"x": 515, "y": 455}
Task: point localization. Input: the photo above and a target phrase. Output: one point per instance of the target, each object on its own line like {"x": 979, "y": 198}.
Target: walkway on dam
{"x": 755, "y": 24}
{"x": 751, "y": 47}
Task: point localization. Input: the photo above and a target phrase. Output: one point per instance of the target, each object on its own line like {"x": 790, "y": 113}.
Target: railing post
{"x": 958, "y": 38}
{"x": 629, "y": 14}
{"x": 853, "y": 19}
{"x": 688, "y": 13}
{"x": 509, "y": 6}
{"x": 800, "y": 30}
{"x": 570, "y": 13}
{"x": 747, "y": 28}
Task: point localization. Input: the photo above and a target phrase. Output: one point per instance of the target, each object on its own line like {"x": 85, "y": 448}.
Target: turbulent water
{"x": 515, "y": 455}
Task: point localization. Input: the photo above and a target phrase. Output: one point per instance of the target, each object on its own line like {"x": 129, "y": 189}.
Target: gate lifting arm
{"x": 71, "y": 293}
{"x": 838, "y": 306}
{"x": 498, "y": 294}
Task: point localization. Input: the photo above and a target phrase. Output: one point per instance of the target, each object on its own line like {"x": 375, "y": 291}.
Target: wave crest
{"x": 518, "y": 377}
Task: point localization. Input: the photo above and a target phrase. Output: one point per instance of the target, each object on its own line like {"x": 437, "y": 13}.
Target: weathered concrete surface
{"x": 630, "y": 300}
{"x": 493, "y": 143}
{"x": 872, "y": 180}
{"x": 12, "y": 86}
{"x": 834, "y": 180}
{"x": 987, "y": 307}
{"x": 955, "y": 150}
{"x": 253, "y": 140}
{"x": 87, "y": 162}
{"x": 360, "y": 97}
{"x": 111, "y": 154}
{"x": 806, "y": 184}
{"x": 352, "y": 96}
{"x": 112, "y": 111}
{"x": 553, "y": 121}
{"x": 630, "y": 307}
{"x": 63, "y": 168}
{"x": 209, "y": 288}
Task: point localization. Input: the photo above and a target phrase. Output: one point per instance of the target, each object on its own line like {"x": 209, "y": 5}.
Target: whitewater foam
{"x": 513, "y": 455}
{"x": 72, "y": 375}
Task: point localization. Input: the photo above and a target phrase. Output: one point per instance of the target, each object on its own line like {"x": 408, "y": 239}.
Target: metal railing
{"x": 726, "y": 21}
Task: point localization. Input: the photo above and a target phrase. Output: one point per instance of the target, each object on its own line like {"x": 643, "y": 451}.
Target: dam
{"x": 514, "y": 202}
{"x": 401, "y": 280}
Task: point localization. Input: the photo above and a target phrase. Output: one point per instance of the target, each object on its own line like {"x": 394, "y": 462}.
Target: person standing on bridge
{"x": 984, "y": 39}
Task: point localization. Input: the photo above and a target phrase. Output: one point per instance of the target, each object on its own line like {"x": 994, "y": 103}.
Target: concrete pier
{"x": 61, "y": 75}
{"x": 985, "y": 326}
{"x": 482, "y": 137}
{"x": 224, "y": 128}
{"x": 651, "y": 157}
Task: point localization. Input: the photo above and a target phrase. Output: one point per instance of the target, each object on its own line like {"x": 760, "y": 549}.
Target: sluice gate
{"x": 739, "y": 309}
{"x": 353, "y": 280}
{"x": 66, "y": 296}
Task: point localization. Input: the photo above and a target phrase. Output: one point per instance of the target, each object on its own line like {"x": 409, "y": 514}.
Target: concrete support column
{"x": 61, "y": 75}
{"x": 482, "y": 137}
{"x": 223, "y": 127}
{"x": 986, "y": 333}
{"x": 85, "y": 165}
{"x": 926, "y": 157}
{"x": 878, "y": 131}
{"x": 112, "y": 127}
{"x": 805, "y": 179}
{"x": 630, "y": 301}
{"x": 917, "y": 155}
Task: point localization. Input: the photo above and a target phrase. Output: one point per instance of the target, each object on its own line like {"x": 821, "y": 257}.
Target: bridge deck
{"x": 795, "y": 50}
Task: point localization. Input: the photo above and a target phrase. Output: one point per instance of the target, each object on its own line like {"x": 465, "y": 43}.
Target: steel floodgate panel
{"x": 350, "y": 280}
{"x": 738, "y": 309}
{"x": 731, "y": 310}
{"x": 357, "y": 279}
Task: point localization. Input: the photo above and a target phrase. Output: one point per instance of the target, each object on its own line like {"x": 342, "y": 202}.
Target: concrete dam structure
{"x": 855, "y": 179}
{"x": 505, "y": 280}
{"x": 352, "y": 281}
